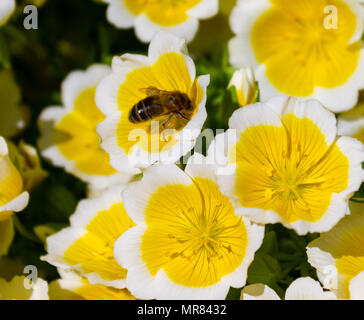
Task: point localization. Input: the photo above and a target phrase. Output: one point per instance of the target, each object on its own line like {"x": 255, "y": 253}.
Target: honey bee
{"x": 159, "y": 103}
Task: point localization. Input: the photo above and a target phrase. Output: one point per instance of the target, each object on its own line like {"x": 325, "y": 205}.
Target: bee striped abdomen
{"x": 142, "y": 111}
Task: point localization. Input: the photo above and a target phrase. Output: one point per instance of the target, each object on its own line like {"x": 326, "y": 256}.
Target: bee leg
{"x": 164, "y": 126}
{"x": 182, "y": 116}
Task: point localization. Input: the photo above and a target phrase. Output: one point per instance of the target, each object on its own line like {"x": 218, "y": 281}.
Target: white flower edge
{"x": 121, "y": 17}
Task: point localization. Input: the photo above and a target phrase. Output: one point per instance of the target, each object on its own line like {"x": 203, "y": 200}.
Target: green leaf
{"x": 270, "y": 244}
{"x": 264, "y": 269}
{"x": 62, "y": 200}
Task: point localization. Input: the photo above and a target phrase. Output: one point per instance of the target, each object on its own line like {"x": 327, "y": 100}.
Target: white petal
{"x": 325, "y": 265}
{"x": 253, "y": 115}
{"x": 245, "y": 13}
{"x": 77, "y": 81}
{"x": 204, "y": 9}
{"x": 127, "y": 252}
{"x": 17, "y": 204}
{"x": 145, "y": 29}
{"x": 3, "y": 147}
{"x": 119, "y": 15}
{"x": 242, "y": 20}
{"x": 58, "y": 244}
{"x": 357, "y": 287}
{"x": 307, "y": 289}
{"x": 168, "y": 290}
{"x": 136, "y": 196}
{"x": 165, "y": 42}
{"x": 354, "y": 151}
{"x": 258, "y": 292}
{"x": 311, "y": 109}
{"x": 89, "y": 208}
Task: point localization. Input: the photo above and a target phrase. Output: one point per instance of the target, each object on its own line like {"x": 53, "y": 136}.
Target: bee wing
{"x": 151, "y": 91}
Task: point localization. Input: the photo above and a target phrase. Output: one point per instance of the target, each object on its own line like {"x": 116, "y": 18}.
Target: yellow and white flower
{"x": 187, "y": 243}
{"x": 7, "y": 8}
{"x": 87, "y": 245}
{"x": 338, "y": 256}
{"x": 16, "y": 289}
{"x": 300, "y": 289}
{"x": 180, "y": 17}
{"x": 167, "y": 68}
{"x": 68, "y": 134}
{"x": 72, "y": 286}
{"x": 12, "y": 118}
{"x": 286, "y": 164}
{"x": 245, "y": 86}
{"x": 302, "y": 48}
{"x": 13, "y": 198}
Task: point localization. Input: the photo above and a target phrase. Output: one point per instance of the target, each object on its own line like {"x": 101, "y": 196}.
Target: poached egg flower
{"x": 167, "y": 68}
{"x": 187, "y": 243}
{"x": 338, "y": 257}
{"x": 68, "y": 133}
{"x": 87, "y": 245}
{"x": 287, "y": 165}
{"x": 179, "y": 17}
{"x": 300, "y": 289}
{"x": 302, "y": 48}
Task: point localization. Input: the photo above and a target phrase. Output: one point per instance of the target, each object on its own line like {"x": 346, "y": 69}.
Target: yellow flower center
{"x": 193, "y": 234}
{"x": 290, "y": 169}
{"x": 301, "y": 46}
{"x": 163, "y": 12}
